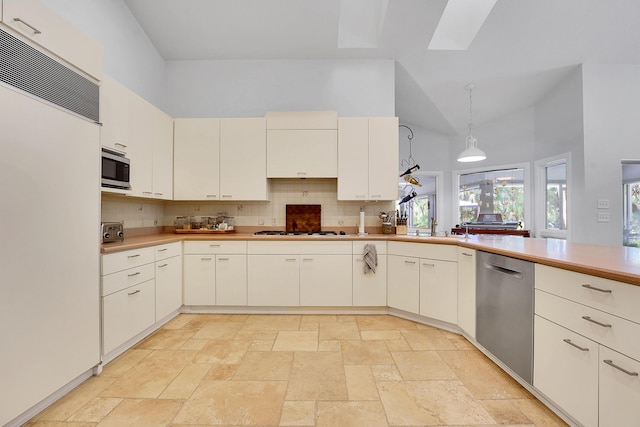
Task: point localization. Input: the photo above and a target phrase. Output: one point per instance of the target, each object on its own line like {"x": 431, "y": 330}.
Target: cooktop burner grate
{"x": 294, "y": 233}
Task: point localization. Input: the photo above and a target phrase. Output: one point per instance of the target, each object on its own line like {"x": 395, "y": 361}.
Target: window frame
{"x": 439, "y": 177}
{"x": 526, "y": 170}
{"x": 540, "y": 219}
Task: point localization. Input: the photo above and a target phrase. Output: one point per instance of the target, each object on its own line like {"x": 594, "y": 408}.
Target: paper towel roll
{"x": 361, "y": 227}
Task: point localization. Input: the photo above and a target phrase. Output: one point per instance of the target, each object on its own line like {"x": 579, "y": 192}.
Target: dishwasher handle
{"x": 513, "y": 273}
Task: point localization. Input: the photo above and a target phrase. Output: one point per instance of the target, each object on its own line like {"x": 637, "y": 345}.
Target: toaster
{"x": 111, "y": 232}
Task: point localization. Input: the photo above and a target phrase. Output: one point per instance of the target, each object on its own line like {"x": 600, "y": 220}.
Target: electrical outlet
{"x": 603, "y": 204}
{"x": 603, "y": 216}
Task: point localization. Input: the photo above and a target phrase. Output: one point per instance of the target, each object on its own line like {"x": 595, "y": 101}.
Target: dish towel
{"x": 370, "y": 258}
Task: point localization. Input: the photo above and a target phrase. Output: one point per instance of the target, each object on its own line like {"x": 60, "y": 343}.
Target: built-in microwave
{"x": 115, "y": 169}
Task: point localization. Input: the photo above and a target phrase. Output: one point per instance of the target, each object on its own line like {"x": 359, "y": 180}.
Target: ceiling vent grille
{"x": 32, "y": 71}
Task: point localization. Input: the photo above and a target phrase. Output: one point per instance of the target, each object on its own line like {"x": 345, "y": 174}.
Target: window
{"x": 552, "y": 202}
{"x": 631, "y": 203}
{"x": 496, "y": 191}
{"x": 421, "y": 209}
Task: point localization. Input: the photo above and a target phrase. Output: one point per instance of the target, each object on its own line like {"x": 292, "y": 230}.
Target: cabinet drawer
{"x": 358, "y": 246}
{"x": 127, "y": 259}
{"x": 424, "y": 250}
{"x": 168, "y": 251}
{"x": 611, "y": 331}
{"x": 215, "y": 247}
{"x": 127, "y": 313}
{"x": 566, "y": 370}
{"x": 619, "y": 390}
{"x": 619, "y": 299}
{"x": 115, "y": 282}
{"x": 300, "y": 247}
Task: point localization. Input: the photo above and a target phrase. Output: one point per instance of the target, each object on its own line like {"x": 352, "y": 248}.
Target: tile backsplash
{"x": 135, "y": 212}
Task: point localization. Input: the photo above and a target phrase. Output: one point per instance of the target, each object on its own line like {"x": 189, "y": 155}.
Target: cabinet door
{"x": 302, "y": 153}
{"x": 114, "y": 115}
{"x": 326, "y": 280}
{"x": 127, "y": 313}
{"x": 196, "y": 159}
{"x": 32, "y": 19}
{"x": 231, "y": 279}
{"x": 168, "y": 286}
{"x": 467, "y": 291}
{"x": 273, "y": 280}
{"x": 199, "y": 280}
{"x": 404, "y": 283}
{"x": 162, "y": 137}
{"x": 619, "y": 390}
{"x": 140, "y": 149}
{"x": 439, "y": 290}
{"x": 353, "y": 158}
{"x": 566, "y": 370}
{"x": 370, "y": 289}
{"x": 243, "y": 159}
{"x": 383, "y": 158}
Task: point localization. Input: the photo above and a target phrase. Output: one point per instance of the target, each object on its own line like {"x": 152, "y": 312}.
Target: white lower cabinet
{"x": 439, "y": 290}
{"x": 126, "y": 313}
{"x": 467, "y": 290}
{"x": 403, "y": 288}
{"x": 369, "y": 289}
{"x": 231, "y": 279}
{"x": 566, "y": 370}
{"x": 619, "y": 389}
{"x": 325, "y": 280}
{"x": 273, "y": 280}
{"x": 199, "y": 279}
{"x": 168, "y": 275}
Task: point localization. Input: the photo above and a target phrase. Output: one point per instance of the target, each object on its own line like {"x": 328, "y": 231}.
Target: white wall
{"x": 611, "y": 133}
{"x": 250, "y": 88}
{"x": 129, "y": 56}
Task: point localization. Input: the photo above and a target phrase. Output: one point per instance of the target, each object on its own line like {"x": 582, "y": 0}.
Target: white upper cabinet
{"x": 114, "y": 115}
{"x": 196, "y": 159}
{"x": 140, "y": 147}
{"x": 162, "y": 137}
{"x": 35, "y": 21}
{"x": 243, "y": 159}
{"x": 302, "y": 144}
{"x": 368, "y": 158}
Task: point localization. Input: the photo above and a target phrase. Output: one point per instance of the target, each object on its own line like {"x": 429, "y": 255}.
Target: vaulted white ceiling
{"x": 523, "y": 49}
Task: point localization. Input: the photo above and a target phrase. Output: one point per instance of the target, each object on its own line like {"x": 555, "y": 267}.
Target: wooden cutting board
{"x": 304, "y": 218}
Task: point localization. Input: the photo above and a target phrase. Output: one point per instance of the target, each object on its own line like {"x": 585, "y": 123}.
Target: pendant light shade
{"x": 472, "y": 153}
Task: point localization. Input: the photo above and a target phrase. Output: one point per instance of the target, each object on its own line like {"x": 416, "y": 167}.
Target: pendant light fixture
{"x": 472, "y": 153}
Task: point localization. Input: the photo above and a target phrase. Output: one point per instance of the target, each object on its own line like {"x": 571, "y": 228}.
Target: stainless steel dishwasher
{"x": 504, "y": 310}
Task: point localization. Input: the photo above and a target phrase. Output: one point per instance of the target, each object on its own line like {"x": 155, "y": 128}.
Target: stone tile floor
{"x": 298, "y": 370}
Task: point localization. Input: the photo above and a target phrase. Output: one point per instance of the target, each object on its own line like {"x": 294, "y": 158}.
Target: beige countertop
{"x": 611, "y": 262}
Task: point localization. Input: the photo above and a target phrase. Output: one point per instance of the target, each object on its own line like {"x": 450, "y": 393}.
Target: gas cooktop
{"x": 294, "y": 233}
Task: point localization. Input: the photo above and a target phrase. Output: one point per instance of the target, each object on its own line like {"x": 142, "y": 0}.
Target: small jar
{"x": 387, "y": 228}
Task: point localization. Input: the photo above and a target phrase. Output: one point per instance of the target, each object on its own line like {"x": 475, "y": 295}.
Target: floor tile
{"x": 221, "y": 372}
{"x": 351, "y": 414}
{"x": 319, "y": 318}
{"x": 398, "y": 345}
{"x": 147, "y": 379}
{"x": 186, "y": 382}
{"x": 538, "y": 413}
{"x": 222, "y": 351}
{"x": 265, "y": 366}
{"x": 427, "y": 339}
{"x": 431, "y": 403}
{"x": 505, "y": 411}
{"x": 96, "y": 409}
{"x": 365, "y": 353}
{"x": 234, "y": 402}
{"x": 383, "y": 322}
{"x": 124, "y": 362}
{"x": 272, "y": 322}
{"x": 165, "y": 339}
{"x": 339, "y": 331}
{"x": 218, "y": 330}
{"x": 422, "y": 365}
{"x": 360, "y": 383}
{"x": 142, "y": 412}
{"x": 261, "y": 345}
{"x": 329, "y": 345}
{"x": 317, "y": 376}
{"x": 381, "y": 335}
{"x": 298, "y": 413}
{"x": 386, "y": 373}
{"x": 296, "y": 341}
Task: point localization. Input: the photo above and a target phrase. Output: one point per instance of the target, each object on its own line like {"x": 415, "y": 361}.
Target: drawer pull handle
{"x": 34, "y": 29}
{"x": 424, "y": 264}
{"x": 205, "y": 259}
{"x": 568, "y": 341}
{"x": 613, "y": 365}
{"x": 163, "y": 265}
{"x": 134, "y": 274}
{"x": 120, "y": 145}
{"x": 134, "y": 292}
{"x": 214, "y": 246}
{"x": 589, "y": 319}
{"x": 223, "y": 259}
{"x": 290, "y": 259}
{"x": 409, "y": 262}
{"x": 162, "y": 250}
{"x": 466, "y": 254}
{"x": 133, "y": 256}
{"x": 606, "y": 291}
{"x": 211, "y": 196}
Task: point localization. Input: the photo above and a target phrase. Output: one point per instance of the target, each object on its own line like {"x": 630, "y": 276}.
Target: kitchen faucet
{"x": 433, "y": 226}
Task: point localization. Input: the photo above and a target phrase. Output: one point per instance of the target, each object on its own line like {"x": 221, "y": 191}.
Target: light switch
{"x": 603, "y": 216}
{"x": 603, "y": 204}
